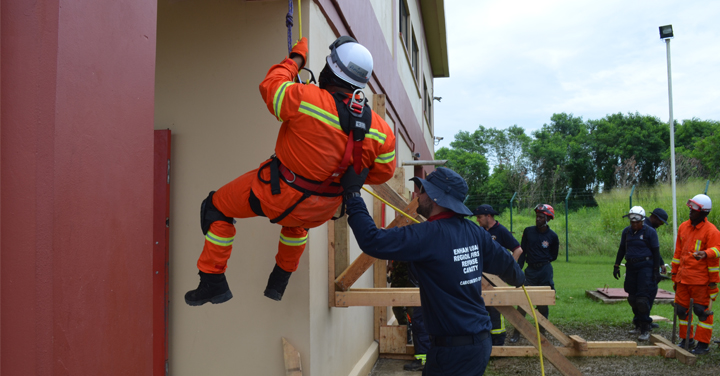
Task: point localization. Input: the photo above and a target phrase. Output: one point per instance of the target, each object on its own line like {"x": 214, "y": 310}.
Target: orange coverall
{"x": 311, "y": 143}
{"x": 693, "y": 276}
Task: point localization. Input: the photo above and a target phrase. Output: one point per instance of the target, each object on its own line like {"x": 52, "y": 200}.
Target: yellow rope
{"x": 300, "y": 17}
{"x": 391, "y": 205}
{"x": 537, "y": 327}
{"x": 537, "y": 330}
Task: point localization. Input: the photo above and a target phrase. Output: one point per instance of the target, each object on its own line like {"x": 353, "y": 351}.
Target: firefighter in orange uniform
{"x": 324, "y": 130}
{"x": 695, "y": 273}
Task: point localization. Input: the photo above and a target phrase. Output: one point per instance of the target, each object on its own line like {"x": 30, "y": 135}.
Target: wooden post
{"x": 292, "y": 359}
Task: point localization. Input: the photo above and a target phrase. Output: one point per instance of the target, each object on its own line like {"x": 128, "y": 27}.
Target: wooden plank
{"x": 379, "y": 274}
{"x": 527, "y": 351}
{"x": 549, "y": 351}
{"x": 393, "y": 339}
{"x": 681, "y": 354}
{"x": 545, "y": 323}
{"x": 331, "y": 263}
{"x": 579, "y": 343}
{"x": 292, "y": 359}
{"x": 656, "y": 318}
{"x": 379, "y": 105}
{"x": 496, "y": 281}
{"x": 390, "y": 195}
{"x": 611, "y": 344}
{"x": 358, "y": 267}
{"x": 342, "y": 245}
{"x": 410, "y": 297}
{"x": 668, "y": 351}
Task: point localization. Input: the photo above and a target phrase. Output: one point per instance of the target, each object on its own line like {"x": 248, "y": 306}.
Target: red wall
{"x": 76, "y": 173}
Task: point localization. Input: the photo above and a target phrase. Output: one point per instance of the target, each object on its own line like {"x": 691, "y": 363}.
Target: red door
{"x": 161, "y": 238}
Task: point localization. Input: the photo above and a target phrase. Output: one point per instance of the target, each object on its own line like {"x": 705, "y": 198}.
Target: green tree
{"x": 473, "y": 167}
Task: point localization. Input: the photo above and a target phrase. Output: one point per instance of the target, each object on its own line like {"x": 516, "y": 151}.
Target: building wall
{"x": 76, "y": 178}
{"x": 211, "y": 57}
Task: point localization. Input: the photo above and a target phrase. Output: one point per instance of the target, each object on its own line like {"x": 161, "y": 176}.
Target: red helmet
{"x": 545, "y": 209}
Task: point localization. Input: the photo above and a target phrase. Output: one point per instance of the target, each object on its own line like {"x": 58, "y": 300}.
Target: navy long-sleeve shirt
{"x": 448, "y": 257}
{"x": 538, "y": 246}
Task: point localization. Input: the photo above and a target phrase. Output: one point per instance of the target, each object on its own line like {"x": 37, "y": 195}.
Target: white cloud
{"x": 518, "y": 62}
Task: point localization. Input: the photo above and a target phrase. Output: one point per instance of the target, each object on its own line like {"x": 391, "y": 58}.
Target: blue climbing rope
{"x": 289, "y": 24}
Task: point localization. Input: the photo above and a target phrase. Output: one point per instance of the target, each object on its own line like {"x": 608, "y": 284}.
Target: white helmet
{"x": 636, "y": 214}
{"x": 700, "y": 203}
{"x": 350, "y": 61}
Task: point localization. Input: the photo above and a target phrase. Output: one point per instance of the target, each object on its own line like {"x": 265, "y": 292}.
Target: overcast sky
{"x": 518, "y": 62}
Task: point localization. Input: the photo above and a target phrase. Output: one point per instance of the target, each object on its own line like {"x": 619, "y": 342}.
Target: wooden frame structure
{"x": 392, "y": 338}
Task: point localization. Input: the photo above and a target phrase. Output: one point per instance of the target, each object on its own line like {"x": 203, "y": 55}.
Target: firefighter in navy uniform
{"x": 485, "y": 217}
{"x": 540, "y": 247}
{"x": 401, "y": 276}
{"x": 640, "y": 247}
{"x": 324, "y": 129}
{"x": 657, "y": 218}
{"x": 448, "y": 255}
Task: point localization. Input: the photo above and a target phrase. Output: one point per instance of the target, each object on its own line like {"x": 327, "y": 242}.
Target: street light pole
{"x": 666, "y": 33}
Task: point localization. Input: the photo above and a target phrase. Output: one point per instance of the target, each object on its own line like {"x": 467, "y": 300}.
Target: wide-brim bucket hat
{"x": 447, "y": 189}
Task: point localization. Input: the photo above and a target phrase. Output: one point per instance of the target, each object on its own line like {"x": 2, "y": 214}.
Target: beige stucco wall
{"x": 386, "y": 17}
{"x": 211, "y": 58}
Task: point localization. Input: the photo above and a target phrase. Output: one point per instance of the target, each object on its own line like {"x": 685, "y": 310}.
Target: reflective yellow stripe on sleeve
{"x": 715, "y": 251}
{"x": 676, "y": 261}
{"x": 223, "y": 242}
{"x": 278, "y": 98}
{"x": 713, "y": 269}
{"x": 385, "y": 158}
{"x": 320, "y": 114}
{"x": 713, "y": 296}
{"x": 376, "y": 135}
{"x": 293, "y": 242}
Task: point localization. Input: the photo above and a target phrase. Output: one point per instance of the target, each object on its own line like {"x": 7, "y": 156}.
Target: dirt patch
{"x": 616, "y": 365}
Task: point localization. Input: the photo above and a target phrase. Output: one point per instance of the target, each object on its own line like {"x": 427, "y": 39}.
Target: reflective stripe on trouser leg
{"x": 291, "y": 247}
{"x": 217, "y": 248}
{"x": 703, "y": 332}
{"x": 683, "y": 329}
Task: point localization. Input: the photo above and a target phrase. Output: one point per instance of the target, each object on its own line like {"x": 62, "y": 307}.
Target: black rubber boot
{"x": 690, "y": 347}
{"x": 213, "y": 288}
{"x": 702, "y": 348}
{"x": 277, "y": 283}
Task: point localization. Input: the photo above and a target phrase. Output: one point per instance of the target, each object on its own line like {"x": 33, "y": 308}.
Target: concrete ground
{"x": 392, "y": 367}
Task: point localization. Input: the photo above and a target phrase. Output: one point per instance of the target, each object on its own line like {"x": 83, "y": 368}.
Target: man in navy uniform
{"x": 448, "y": 255}
{"x": 485, "y": 217}
{"x": 540, "y": 245}
{"x": 657, "y": 218}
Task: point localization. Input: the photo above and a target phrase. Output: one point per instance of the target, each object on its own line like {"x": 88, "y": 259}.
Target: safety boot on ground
{"x": 635, "y": 330}
{"x": 415, "y": 365}
{"x": 644, "y": 336}
{"x": 213, "y": 288}
{"x": 515, "y": 336}
{"x": 702, "y": 348}
{"x": 691, "y": 346}
{"x": 277, "y": 283}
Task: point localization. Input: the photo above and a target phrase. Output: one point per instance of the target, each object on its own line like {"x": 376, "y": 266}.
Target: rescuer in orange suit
{"x": 324, "y": 130}
{"x": 695, "y": 273}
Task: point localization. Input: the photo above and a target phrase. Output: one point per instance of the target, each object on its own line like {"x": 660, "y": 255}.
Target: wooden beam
{"x": 410, "y": 297}
{"x": 579, "y": 343}
{"x": 393, "y": 339}
{"x": 390, "y": 195}
{"x": 527, "y": 351}
{"x": 292, "y": 359}
{"x": 549, "y": 351}
{"x": 331, "y": 263}
{"x": 681, "y": 354}
{"x": 545, "y": 323}
{"x": 342, "y": 245}
{"x": 611, "y": 344}
{"x": 361, "y": 264}
{"x": 668, "y": 351}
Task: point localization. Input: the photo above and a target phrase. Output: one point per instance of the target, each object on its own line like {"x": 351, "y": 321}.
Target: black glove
{"x": 616, "y": 271}
{"x": 352, "y": 182}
